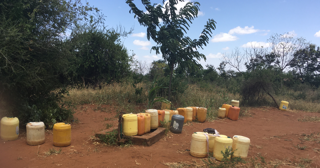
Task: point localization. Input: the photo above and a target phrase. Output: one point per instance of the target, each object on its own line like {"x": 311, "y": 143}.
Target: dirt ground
{"x": 275, "y": 135}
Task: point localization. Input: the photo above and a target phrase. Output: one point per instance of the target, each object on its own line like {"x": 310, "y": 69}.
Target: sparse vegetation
{"x": 225, "y": 162}
{"x": 309, "y": 119}
{"x": 53, "y": 151}
{"x": 110, "y": 138}
{"x": 301, "y": 147}
{"x": 108, "y": 125}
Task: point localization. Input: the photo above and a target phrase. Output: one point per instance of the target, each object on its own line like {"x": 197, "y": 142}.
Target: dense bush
{"x": 100, "y": 56}
{"x": 34, "y": 60}
{"x": 258, "y": 84}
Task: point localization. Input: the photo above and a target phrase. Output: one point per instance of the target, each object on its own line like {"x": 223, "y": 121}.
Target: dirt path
{"x": 275, "y": 135}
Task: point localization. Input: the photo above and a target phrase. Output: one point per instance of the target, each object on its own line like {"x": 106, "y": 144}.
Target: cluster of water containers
{"x": 231, "y": 111}
{"x": 35, "y": 132}
{"x": 203, "y": 143}
{"x": 141, "y": 123}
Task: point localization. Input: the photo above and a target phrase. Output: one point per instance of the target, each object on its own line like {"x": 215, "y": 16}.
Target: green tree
{"x": 167, "y": 28}
{"x": 33, "y": 58}
{"x": 210, "y": 74}
{"x": 157, "y": 69}
{"x": 100, "y": 56}
{"x": 306, "y": 64}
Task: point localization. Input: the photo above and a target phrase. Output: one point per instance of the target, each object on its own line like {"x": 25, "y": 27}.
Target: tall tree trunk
{"x": 83, "y": 82}
{"x": 171, "y": 72}
{"x": 275, "y": 102}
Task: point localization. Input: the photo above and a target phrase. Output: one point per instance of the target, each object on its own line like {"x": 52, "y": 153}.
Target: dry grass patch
{"x": 193, "y": 164}
{"x": 309, "y": 119}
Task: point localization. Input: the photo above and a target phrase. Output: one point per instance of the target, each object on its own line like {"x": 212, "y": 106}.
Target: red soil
{"x": 274, "y": 135}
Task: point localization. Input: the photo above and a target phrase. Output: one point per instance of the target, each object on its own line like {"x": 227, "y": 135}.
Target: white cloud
{"x": 254, "y": 44}
{"x": 218, "y": 55}
{"x": 153, "y": 57}
{"x": 245, "y": 30}
{"x": 223, "y": 37}
{"x": 289, "y": 34}
{"x": 139, "y": 34}
{"x": 156, "y": 57}
{"x": 227, "y": 48}
{"x": 200, "y": 13}
{"x": 265, "y": 32}
{"x": 144, "y": 44}
{"x": 317, "y": 34}
{"x": 217, "y": 9}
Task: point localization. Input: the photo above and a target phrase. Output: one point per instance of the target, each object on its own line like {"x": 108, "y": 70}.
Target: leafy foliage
{"x": 152, "y": 95}
{"x": 167, "y": 28}
{"x": 100, "y": 56}
{"x": 306, "y": 64}
{"x": 258, "y": 83}
{"x": 225, "y": 162}
{"x": 33, "y": 58}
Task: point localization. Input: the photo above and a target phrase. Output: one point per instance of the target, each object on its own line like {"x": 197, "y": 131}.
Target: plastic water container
{"x": 198, "y": 147}
{"x": 284, "y": 105}
{"x": 61, "y": 134}
{"x": 165, "y": 106}
{"x": 183, "y": 112}
{"x": 146, "y": 122}
{"x": 160, "y": 117}
{"x": 211, "y": 141}
{"x": 177, "y": 124}
{"x": 222, "y": 113}
{"x": 35, "y": 133}
{"x": 194, "y": 115}
{"x": 227, "y": 107}
{"x": 141, "y": 124}
{"x": 130, "y": 124}
{"x": 234, "y": 113}
{"x": 166, "y": 116}
{"x": 235, "y": 103}
{"x": 9, "y": 128}
{"x": 202, "y": 114}
{"x": 240, "y": 146}
{"x": 189, "y": 113}
{"x": 173, "y": 112}
{"x": 221, "y": 144}
{"x": 154, "y": 123}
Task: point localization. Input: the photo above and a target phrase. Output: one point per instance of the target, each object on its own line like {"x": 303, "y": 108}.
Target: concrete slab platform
{"x": 149, "y": 138}
{"x": 145, "y": 139}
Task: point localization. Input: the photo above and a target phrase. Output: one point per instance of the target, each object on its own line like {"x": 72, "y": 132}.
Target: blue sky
{"x": 239, "y": 22}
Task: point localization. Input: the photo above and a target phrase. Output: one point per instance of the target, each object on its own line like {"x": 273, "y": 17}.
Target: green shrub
{"x": 225, "y": 162}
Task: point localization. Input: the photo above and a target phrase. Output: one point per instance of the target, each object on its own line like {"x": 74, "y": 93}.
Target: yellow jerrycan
{"x": 61, "y": 134}
{"x": 240, "y": 146}
{"x": 221, "y": 144}
{"x": 9, "y": 128}
{"x": 130, "y": 124}
{"x": 284, "y": 105}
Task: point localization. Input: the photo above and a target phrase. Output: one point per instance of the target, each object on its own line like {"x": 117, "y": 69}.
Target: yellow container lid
{"x": 242, "y": 138}
{"x": 223, "y": 139}
{"x": 9, "y": 120}
{"x": 199, "y": 136}
{"x": 61, "y": 126}
{"x": 130, "y": 116}
{"x": 235, "y": 101}
{"x": 285, "y": 102}
{"x": 222, "y": 108}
